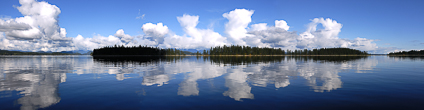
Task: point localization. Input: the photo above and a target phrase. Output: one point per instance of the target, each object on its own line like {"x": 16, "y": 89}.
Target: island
{"x": 408, "y": 53}
{"x": 233, "y": 50}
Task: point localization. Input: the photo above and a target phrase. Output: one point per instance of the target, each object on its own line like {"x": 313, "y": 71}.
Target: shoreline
{"x": 233, "y": 55}
{"x": 213, "y": 55}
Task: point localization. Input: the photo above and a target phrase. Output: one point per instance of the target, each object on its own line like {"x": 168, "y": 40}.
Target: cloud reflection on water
{"x": 37, "y": 78}
{"x": 34, "y": 78}
{"x": 240, "y": 73}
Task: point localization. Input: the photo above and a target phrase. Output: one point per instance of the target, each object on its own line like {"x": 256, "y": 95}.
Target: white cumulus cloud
{"x": 275, "y": 36}
{"x": 155, "y": 32}
{"x": 282, "y": 24}
{"x": 43, "y": 16}
{"x": 238, "y": 20}
{"x": 82, "y": 43}
{"x": 197, "y": 38}
{"x": 38, "y": 30}
{"x": 123, "y": 37}
{"x": 328, "y": 37}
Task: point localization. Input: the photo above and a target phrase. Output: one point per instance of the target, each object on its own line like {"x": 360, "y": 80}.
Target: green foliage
{"x": 205, "y": 52}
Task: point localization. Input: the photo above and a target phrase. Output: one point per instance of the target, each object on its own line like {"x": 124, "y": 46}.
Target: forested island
{"x": 6, "y": 52}
{"x": 247, "y": 50}
{"x": 222, "y": 50}
{"x": 136, "y": 50}
{"x": 409, "y": 53}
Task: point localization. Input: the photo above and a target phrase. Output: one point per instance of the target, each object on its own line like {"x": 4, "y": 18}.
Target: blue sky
{"x": 391, "y": 24}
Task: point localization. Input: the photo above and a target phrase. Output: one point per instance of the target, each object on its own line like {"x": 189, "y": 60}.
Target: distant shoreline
{"x": 235, "y": 55}
{"x": 211, "y": 55}
{"x": 42, "y": 55}
{"x": 259, "y": 55}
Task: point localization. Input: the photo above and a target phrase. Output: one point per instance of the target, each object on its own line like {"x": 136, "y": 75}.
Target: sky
{"x": 376, "y": 26}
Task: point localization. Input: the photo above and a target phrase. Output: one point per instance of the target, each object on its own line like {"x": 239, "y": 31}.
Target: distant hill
{"x": 77, "y": 52}
{"x": 190, "y": 50}
{"x": 84, "y": 52}
{"x": 7, "y": 52}
{"x": 189, "y": 53}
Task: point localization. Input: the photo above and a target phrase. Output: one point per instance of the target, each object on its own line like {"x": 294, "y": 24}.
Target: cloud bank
{"x": 38, "y": 30}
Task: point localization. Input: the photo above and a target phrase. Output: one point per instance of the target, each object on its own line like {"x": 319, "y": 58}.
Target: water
{"x": 83, "y": 82}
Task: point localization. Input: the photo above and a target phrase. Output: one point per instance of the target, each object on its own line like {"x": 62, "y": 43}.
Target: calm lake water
{"x": 84, "y": 82}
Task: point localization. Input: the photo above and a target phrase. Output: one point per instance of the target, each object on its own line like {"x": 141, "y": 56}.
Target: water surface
{"x": 84, "y": 82}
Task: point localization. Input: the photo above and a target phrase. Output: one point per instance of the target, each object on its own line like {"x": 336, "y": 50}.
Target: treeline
{"x": 135, "y": 50}
{"x": 122, "y": 50}
{"x": 242, "y": 50}
{"x": 411, "y": 52}
{"x": 6, "y": 52}
{"x": 247, "y": 50}
{"x": 223, "y": 50}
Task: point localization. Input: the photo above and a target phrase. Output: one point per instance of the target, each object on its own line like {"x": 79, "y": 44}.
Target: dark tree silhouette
{"x": 411, "y": 52}
{"x": 121, "y": 50}
{"x": 223, "y": 50}
{"x": 246, "y": 50}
